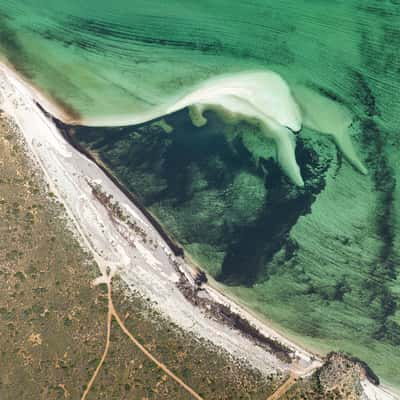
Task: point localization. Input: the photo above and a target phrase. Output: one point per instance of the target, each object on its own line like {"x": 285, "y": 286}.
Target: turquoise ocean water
{"x": 320, "y": 262}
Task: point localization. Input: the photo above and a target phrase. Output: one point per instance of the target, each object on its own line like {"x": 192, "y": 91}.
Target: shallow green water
{"x": 138, "y": 52}
{"x": 321, "y": 262}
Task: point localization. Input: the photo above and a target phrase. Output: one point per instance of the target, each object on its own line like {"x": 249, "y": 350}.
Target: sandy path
{"x": 284, "y": 388}
{"x": 106, "y": 347}
{"x": 112, "y": 313}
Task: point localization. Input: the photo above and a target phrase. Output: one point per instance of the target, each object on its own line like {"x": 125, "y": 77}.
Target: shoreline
{"x": 218, "y": 293}
{"x": 222, "y": 297}
{"x": 192, "y": 268}
{"x": 61, "y": 111}
{"x": 64, "y": 130}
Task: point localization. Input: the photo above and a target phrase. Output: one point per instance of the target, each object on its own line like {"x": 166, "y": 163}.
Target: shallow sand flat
{"x": 136, "y": 59}
{"x": 261, "y": 98}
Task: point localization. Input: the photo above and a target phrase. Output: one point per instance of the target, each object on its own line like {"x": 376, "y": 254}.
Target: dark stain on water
{"x": 384, "y": 270}
{"x": 253, "y": 247}
{"x": 11, "y": 45}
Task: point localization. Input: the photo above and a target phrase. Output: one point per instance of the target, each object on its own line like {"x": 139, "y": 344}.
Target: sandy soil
{"x": 146, "y": 265}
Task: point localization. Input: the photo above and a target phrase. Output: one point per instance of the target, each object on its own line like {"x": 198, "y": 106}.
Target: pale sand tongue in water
{"x": 263, "y": 99}
{"x": 329, "y": 117}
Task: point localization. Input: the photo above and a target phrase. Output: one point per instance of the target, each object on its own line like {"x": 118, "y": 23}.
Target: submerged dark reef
{"x": 162, "y": 170}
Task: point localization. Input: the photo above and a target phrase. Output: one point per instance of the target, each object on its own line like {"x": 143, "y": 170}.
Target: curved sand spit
{"x": 263, "y": 99}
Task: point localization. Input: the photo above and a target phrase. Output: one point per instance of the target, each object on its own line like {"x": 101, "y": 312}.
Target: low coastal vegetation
{"x": 193, "y": 292}
{"x": 339, "y": 378}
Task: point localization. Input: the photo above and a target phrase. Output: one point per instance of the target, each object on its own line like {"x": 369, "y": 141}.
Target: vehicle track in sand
{"x": 284, "y": 387}
{"x": 113, "y": 314}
